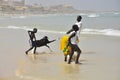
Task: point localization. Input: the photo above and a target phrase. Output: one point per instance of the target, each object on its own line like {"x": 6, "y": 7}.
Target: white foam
{"x": 109, "y": 32}
{"x": 13, "y": 27}
{"x": 113, "y": 33}
{"x": 21, "y": 17}
{"x": 18, "y": 27}
{"x": 27, "y": 28}
{"x": 51, "y": 31}
{"x": 116, "y": 13}
{"x": 93, "y": 15}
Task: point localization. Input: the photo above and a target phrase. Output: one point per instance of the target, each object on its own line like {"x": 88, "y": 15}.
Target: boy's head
{"x": 79, "y": 18}
{"x": 75, "y": 27}
{"x": 35, "y": 30}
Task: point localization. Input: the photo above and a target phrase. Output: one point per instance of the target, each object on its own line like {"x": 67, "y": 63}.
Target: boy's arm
{"x": 70, "y": 31}
{"x": 29, "y": 32}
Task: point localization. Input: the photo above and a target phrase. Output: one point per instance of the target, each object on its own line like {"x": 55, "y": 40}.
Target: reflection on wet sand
{"x": 71, "y": 69}
{"x": 37, "y": 67}
{"x": 37, "y": 58}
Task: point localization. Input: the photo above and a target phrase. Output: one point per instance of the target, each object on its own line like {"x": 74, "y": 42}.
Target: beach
{"x": 99, "y": 58}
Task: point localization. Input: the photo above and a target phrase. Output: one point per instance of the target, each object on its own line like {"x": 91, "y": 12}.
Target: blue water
{"x": 93, "y": 23}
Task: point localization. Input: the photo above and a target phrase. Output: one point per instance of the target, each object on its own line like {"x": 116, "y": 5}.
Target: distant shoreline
{"x": 21, "y": 8}
{"x": 32, "y": 14}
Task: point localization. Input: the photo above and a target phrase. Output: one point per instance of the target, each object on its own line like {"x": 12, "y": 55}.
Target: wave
{"x": 20, "y": 17}
{"x": 116, "y": 13}
{"x": 27, "y": 28}
{"x": 93, "y": 15}
{"x": 107, "y": 32}
{"x": 16, "y": 27}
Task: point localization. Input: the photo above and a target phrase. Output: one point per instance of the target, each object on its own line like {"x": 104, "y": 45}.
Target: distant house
{"x": 12, "y": 2}
{"x": 19, "y": 3}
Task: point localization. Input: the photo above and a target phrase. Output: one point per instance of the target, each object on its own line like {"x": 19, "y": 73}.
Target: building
{"x": 19, "y": 3}
{"x": 3, "y": 2}
{"x": 12, "y": 2}
{"x": 12, "y": 6}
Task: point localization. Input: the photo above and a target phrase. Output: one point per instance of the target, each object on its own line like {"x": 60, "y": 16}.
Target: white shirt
{"x": 79, "y": 24}
{"x": 74, "y": 39}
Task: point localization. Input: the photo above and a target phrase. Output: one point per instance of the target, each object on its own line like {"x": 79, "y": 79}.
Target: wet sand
{"x": 99, "y": 59}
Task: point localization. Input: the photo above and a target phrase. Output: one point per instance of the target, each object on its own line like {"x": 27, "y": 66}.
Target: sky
{"x": 94, "y": 5}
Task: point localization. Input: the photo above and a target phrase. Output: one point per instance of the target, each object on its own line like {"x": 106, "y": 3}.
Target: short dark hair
{"x": 35, "y": 30}
{"x": 75, "y": 27}
{"x": 79, "y": 18}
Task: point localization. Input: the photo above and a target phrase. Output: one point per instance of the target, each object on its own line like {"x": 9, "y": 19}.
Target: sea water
{"x": 93, "y": 23}
{"x": 99, "y": 58}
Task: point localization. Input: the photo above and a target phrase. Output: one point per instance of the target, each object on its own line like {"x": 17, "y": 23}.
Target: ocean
{"x": 99, "y": 42}
{"x": 93, "y": 23}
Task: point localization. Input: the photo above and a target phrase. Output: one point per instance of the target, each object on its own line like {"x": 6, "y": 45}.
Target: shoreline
{"x": 98, "y": 62}
{"x": 33, "y": 14}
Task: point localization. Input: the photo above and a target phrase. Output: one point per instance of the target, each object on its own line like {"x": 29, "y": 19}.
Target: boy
{"x": 73, "y": 43}
{"x": 32, "y": 40}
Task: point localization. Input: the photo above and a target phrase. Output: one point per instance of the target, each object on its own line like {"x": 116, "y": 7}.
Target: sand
{"x": 99, "y": 59}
